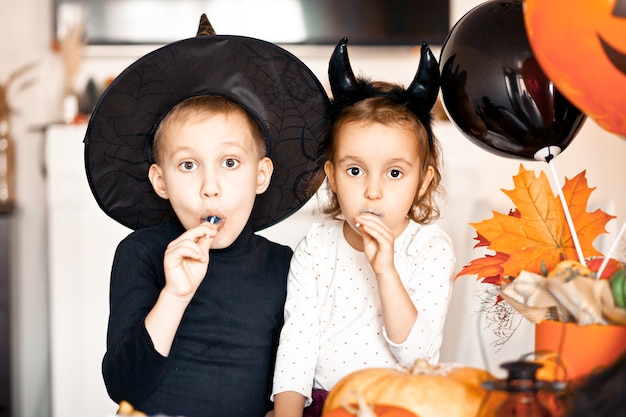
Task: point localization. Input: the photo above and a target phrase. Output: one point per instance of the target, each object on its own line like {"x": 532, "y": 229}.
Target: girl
{"x": 371, "y": 288}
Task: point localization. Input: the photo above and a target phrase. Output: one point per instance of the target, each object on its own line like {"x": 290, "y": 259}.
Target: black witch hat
{"x": 276, "y": 88}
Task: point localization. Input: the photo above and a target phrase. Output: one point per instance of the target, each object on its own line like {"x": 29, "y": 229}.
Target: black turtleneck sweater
{"x": 222, "y": 359}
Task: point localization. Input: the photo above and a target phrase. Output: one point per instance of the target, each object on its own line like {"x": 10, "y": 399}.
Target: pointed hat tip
{"x": 205, "y": 27}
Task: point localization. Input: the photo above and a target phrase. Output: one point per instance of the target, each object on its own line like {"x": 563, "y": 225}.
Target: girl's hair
{"x": 199, "y": 108}
{"x": 383, "y": 110}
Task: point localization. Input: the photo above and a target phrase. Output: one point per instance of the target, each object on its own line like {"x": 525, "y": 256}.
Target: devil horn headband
{"x": 343, "y": 83}
{"x": 424, "y": 89}
{"x": 419, "y": 97}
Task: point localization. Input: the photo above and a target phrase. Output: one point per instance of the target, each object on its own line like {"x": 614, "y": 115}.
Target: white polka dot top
{"x": 333, "y": 322}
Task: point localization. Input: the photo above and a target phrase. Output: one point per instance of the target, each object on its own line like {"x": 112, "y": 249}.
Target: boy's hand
{"x": 378, "y": 242}
{"x": 187, "y": 258}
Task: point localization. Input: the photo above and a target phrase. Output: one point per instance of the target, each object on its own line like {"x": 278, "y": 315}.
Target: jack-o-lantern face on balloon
{"x": 581, "y": 46}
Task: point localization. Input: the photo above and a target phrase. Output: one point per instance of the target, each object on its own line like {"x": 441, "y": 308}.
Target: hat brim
{"x": 273, "y": 85}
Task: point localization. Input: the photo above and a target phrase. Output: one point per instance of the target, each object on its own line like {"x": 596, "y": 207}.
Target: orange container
{"x": 582, "y": 348}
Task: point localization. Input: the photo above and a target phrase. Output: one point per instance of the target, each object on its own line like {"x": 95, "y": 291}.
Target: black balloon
{"x": 494, "y": 90}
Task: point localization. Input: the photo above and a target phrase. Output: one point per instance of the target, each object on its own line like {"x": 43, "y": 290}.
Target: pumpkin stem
{"x": 423, "y": 367}
{"x": 363, "y": 410}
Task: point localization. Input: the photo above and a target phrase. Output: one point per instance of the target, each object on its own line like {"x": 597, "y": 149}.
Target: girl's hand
{"x": 186, "y": 260}
{"x": 399, "y": 312}
{"x": 378, "y": 242}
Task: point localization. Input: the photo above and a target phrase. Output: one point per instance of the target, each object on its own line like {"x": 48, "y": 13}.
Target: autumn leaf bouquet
{"x": 541, "y": 269}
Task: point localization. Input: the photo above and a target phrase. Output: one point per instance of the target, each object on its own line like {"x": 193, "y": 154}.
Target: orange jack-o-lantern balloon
{"x": 581, "y": 46}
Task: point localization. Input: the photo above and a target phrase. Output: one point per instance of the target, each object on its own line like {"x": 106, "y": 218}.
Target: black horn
{"x": 343, "y": 83}
{"x": 423, "y": 91}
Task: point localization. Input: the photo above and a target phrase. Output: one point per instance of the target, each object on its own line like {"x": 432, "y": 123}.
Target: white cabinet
{"x": 82, "y": 241}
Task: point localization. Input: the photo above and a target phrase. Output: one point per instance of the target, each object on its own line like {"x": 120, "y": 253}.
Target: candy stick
{"x": 568, "y": 215}
{"x": 605, "y": 261}
{"x": 213, "y": 219}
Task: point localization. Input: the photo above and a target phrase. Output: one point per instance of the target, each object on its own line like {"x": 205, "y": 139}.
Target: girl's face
{"x": 211, "y": 167}
{"x": 376, "y": 169}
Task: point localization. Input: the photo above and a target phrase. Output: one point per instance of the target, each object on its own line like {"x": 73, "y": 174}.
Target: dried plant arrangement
{"x": 71, "y": 48}
{"x": 6, "y": 109}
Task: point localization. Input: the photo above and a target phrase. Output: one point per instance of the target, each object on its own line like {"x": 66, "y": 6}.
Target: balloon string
{"x": 568, "y": 215}
{"x": 607, "y": 256}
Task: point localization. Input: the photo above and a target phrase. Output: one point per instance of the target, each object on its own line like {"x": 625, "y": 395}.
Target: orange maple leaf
{"x": 535, "y": 236}
{"x": 489, "y": 268}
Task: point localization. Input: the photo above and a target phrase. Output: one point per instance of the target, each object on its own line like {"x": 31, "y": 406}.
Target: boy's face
{"x": 375, "y": 169}
{"x": 211, "y": 167}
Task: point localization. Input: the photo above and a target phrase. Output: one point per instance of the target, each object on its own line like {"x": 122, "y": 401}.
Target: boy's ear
{"x": 329, "y": 170}
{"x": 264, "y": 174}
{"x": 428, "y": 177}
{"x": 156, "y": 179}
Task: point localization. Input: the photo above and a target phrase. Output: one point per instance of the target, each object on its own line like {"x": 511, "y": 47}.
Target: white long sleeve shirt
{"x": 333, "y": 315}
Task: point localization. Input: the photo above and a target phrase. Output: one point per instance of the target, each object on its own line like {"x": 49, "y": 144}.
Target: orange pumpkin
{"x": 362, "y": 409}
{"x": 379, "y": 411}
{"x": 425, "y": 390}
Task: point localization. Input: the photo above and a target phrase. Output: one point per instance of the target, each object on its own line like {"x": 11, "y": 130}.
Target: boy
{"x": 196, "y": 299}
